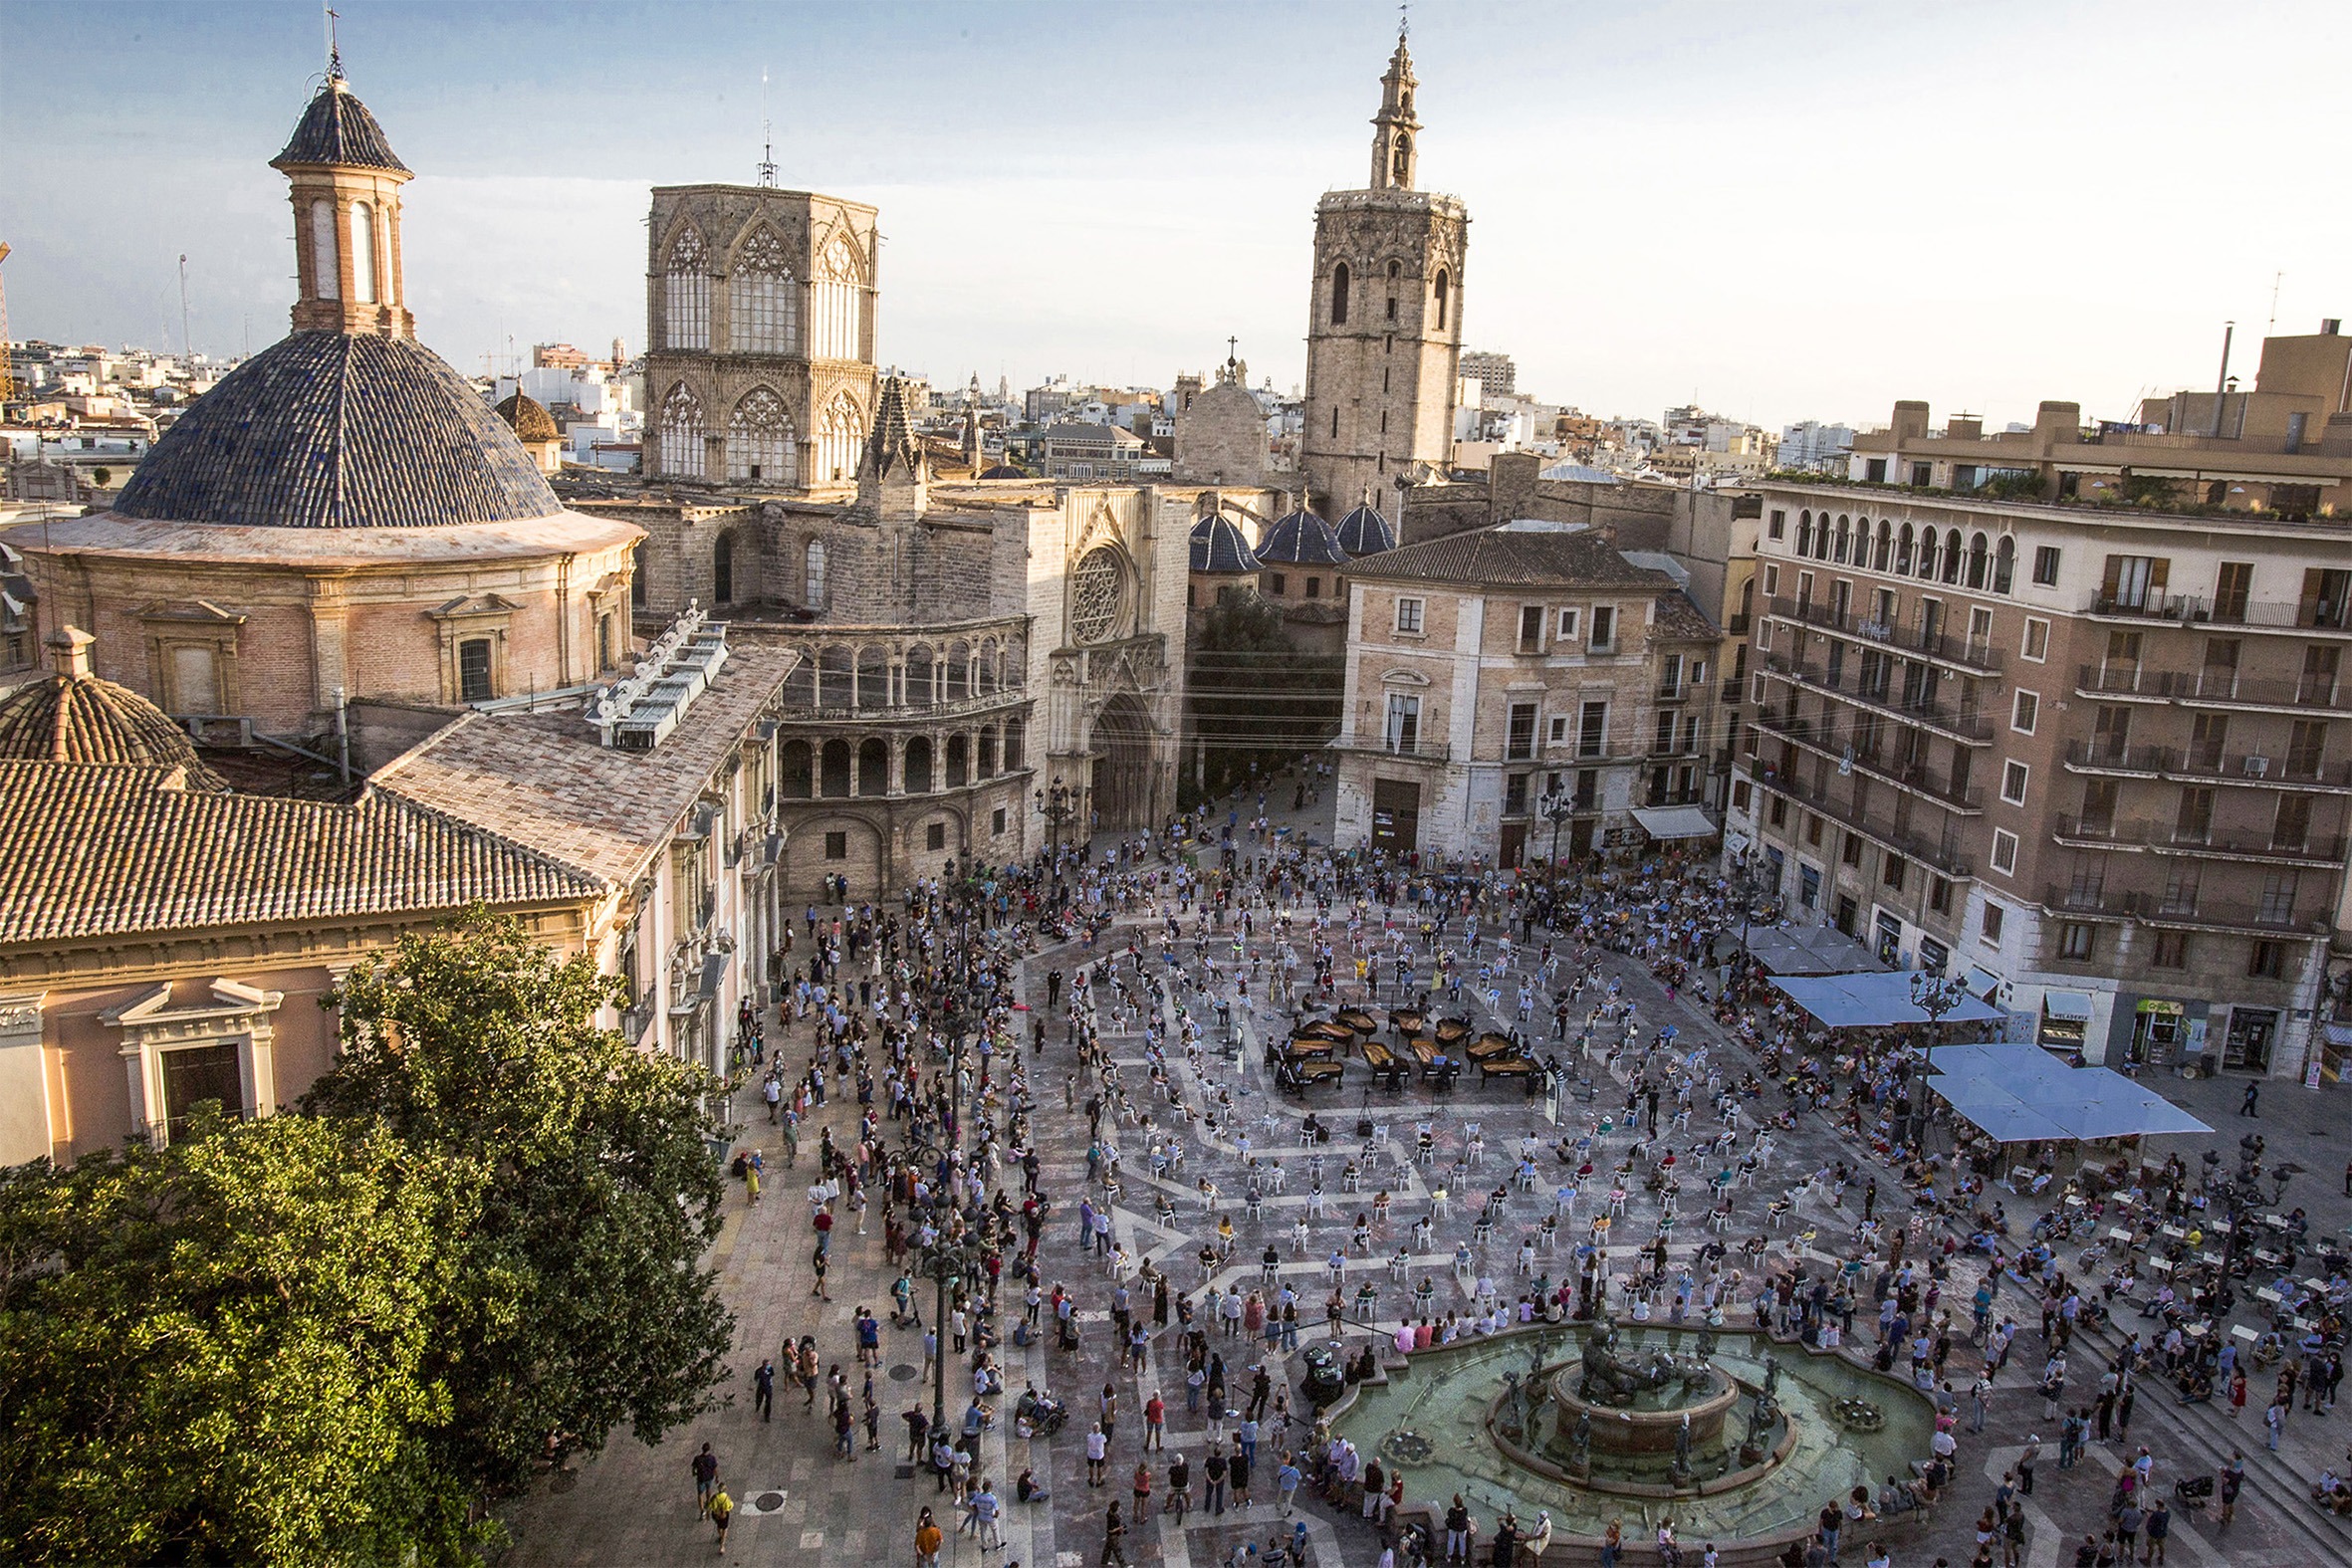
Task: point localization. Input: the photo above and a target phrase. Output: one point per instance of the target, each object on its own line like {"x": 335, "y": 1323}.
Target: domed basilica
{"x": 342, "y": 519}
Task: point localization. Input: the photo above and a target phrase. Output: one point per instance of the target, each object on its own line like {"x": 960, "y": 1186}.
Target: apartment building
{"x": 2097, "y": 758}
{"x": 1491, "y": 668}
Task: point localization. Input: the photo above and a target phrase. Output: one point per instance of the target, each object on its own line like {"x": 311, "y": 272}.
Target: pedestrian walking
{"x": 706, "y": 1480}
{"x": 764, "y": 1390}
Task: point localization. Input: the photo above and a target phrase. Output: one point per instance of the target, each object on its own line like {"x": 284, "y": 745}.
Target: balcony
{"x": 1971, "y": 656}
{"x": 1740, "y": 624}
{"x": 1683, "y": 691}
{"x": 2219, "y": 688}
{"x": 2261, "y": 916}
{"x": 1939, "y": 788}
{"x": 2250, "y": 771}
{"x": 2167, "y": 838}
{"x": 1974, "y": 728}
{"x": 2188, "y": 609}
{"x": 1411, "y": 749}
{"x": 1944, "y": 854}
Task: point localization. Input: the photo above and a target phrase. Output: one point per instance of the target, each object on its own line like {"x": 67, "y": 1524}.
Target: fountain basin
{"x": 1647, "y": 1427}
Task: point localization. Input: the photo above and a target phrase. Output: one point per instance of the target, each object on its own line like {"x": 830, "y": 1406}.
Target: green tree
{"x": 224, "y": 1351}
{"x": 583, "y": 1300}
{"x": 1255, "y": 697}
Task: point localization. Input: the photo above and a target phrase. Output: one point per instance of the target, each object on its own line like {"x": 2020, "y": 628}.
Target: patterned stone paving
{"x": 636, "y": 1504}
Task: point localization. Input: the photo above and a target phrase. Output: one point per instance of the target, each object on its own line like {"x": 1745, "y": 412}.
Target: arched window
{"x": 988, "y": 753}
{"x": 762, "y": 300}
{"x": 813, "y": 574}
{"x": 1339, "y": 296}
{"x": 682, "y": 433}
{"x": 837, "y": 672}
{"x": 362, "y": 253}
{"x": 874, "y": 767}
{"x": 1903, "y": 550}
{"x": 1444, "y": 289}
{"x": 959, "y": 761}
{"x": 919, "y": 692}
{"x": 873, "y": 679}
{"x": 1927, "y": 554}
{"x": 1846, "y": 537}
{"x": 959, "y": 672}
{"x": 798, "y": 777}
{"x": 723, "y": 568}
{"x": 1804, "y": 533}
{"x": 759, "y": 442}
{"x": 1012, "y": 746}
{"x": 2005, "y": 563}
{"x": 836, "y": 305}
{"x": 1977, "y": 560}
{"x": 840, "y": 439}
{"x": 324, "y": 266}
{"x": 1886, "y": 544}
{"x": 984, "y": 670}
{"x": 917, "y": 764}
{"x": 686, "y": 291}
{"x": 1952, "y": 555}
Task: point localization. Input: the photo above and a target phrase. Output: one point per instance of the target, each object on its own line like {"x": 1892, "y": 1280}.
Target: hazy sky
{"x": 1788, "y": 210}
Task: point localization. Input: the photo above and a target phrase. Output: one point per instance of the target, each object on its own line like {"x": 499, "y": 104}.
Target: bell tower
{"x": 345, "y": 188}
{"x": 1394, "y": 127}
{"x": 1384, "y": 318}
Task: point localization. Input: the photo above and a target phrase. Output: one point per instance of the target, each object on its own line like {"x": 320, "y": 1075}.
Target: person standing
{"x": 928, "y": 1539}
{"x": 764, "y": 1390}
{"x": 2233, "y": 1482}
{"x": 2159, "y": 1525}
{"x": 2252, "y": 1090}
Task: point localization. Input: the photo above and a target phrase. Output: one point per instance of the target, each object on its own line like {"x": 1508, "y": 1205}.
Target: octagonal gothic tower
{"x": 1384, "y": 318}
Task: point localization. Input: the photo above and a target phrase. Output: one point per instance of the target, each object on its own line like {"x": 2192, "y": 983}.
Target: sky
{"x": 1801, "y": 210}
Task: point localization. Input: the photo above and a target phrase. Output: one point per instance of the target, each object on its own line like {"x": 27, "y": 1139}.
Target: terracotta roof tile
{"x": 94, "y": 850}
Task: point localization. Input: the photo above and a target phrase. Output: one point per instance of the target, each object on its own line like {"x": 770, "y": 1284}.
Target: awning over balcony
{"x": 1674, "y": 822}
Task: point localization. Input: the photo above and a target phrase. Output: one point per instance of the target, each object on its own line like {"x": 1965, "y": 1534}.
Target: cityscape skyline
{"x": 526, "y": 215}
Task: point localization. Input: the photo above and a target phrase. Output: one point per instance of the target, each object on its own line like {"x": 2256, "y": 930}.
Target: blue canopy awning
{"x": 2012, "y": 1090}
{"x": 1872, "y": 1000}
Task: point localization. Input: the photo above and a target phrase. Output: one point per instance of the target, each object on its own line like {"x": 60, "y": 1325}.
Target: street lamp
{"x": 1936, "y": 996}
{"x": 1556, "y": 806}
{"x": 1058, "y": 803}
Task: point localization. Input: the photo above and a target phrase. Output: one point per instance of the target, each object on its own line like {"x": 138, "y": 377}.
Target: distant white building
{"x": 1812, "y": 444}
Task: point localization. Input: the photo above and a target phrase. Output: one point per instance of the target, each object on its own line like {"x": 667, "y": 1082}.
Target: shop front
{"x": 2251, "y": 1036}
{"x": 2159, "y": 1031}
{"x": 2065, "y": 1020}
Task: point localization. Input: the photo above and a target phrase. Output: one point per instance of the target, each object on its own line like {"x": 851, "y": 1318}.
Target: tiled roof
{"x": 336, "y": 430}
{"x": 1301, "y": 540}
{"x": 89, "y": 850}
{"x": 528, "y": 417}
{"x": 540, "y": 779}
{"x": 1510, "y": 558}
{"x": 336, "y": 129}
{"x": 69, "y": 719}
{"x": 1364, "y": 531}
{"x": 1217, "y": 545}
{"x": 1680, "y": 617}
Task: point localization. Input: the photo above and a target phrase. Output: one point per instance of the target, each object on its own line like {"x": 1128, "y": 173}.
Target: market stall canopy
{"x": 1873, "y": 1000}
{"x": 1809, "y": 949}
{"x": 1674, "y": 822}
{"x": 2012, "y": 1090}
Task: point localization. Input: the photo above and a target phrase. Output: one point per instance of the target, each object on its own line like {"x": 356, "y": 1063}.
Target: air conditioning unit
{"x": 2257, "y": 766}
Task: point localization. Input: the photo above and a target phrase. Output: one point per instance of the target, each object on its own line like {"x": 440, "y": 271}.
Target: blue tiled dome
{"x": 1364, "y": 531}
{"x": 1301, "y": 538}
{"x": 339, "y": 430}
{"x": 1217, "y": 545}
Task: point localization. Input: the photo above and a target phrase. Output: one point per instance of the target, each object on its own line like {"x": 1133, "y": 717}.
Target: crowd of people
{"x": 914, "y": 1008}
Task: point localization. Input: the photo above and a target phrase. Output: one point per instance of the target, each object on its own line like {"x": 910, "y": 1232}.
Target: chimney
{"x": 1910, "y": 422}
{"x": 2330, "y": 325}
{"x": 2058, "y": 424}
{"x": 68, "y": 652}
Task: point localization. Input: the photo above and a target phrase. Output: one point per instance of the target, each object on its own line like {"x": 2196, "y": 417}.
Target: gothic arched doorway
{"x": 1122, "y": 748}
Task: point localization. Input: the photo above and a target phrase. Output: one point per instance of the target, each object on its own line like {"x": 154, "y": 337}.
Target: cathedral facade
{"x": 760, "y": 326}
{"x": 1384, "y": 318}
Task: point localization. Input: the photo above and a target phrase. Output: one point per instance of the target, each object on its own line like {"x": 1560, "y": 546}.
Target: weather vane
{"x": 333, "y": 50}
{"x": 1404, "y": 20}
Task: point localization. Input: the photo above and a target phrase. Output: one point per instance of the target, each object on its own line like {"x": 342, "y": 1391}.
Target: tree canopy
{"x": 335, "y": 1334}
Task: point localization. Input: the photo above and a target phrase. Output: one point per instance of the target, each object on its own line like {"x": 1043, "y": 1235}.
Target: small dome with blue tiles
{"x": 1301, "y": 538}
{"x": 1219, "y": 547}
{"x": 1364, "y": 531}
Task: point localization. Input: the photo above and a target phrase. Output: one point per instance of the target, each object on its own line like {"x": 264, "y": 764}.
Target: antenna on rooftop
{"x": 766, "y": 138}
{"x": 2277, "y": 278}
{"x": 188, "y": 352}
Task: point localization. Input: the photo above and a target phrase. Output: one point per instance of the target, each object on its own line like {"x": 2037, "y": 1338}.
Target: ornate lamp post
{"x": 1058, "y": 803}
{"x": 1936, "y": 996}
{"x": 1556, "y": 806}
